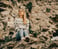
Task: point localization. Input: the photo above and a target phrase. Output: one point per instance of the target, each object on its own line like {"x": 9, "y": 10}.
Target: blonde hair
{"x": 23, "y": 14}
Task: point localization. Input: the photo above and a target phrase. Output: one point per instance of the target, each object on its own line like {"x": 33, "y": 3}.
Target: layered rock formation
{"x": 43, "y": 17}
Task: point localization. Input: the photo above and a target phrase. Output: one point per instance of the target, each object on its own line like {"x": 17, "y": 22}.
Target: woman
{"x": 22, "y": 25}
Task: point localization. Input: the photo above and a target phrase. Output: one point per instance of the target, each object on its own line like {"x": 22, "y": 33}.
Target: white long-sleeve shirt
{"x": 19, "y": 23}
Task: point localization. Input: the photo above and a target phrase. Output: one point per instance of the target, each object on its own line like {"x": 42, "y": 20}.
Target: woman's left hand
{"x": 25, "y": 23}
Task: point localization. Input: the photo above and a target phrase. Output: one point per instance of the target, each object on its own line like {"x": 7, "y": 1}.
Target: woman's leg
{"x": 26, "y": 35}
{"x": 26, "y": 32}
{"x": 21, "y": 33}
{"x": 18, "y": 35}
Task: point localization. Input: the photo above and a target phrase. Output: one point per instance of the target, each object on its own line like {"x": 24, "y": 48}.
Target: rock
{"x": 1, "y": 26}
{"x": 42, "y": 25}
{"x": 34, "y": 46}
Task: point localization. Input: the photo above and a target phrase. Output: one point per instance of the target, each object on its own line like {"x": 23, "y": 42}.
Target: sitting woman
{"x": 22, "y": 25}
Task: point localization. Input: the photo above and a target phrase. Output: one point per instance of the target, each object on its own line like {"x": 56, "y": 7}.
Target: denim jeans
{"x": 21, "y": 33}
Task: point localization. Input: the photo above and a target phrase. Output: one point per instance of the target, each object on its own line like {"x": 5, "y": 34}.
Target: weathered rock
{"x": 41, "y": 22}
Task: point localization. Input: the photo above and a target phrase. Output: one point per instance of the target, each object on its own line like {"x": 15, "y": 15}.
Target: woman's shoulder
{"x": 18, "y": 18}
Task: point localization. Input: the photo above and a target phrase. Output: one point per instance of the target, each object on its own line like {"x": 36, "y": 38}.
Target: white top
{"x": 19, "y": 23}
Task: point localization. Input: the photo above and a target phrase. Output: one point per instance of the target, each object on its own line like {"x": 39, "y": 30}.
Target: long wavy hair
{"x": 23, "y": 14}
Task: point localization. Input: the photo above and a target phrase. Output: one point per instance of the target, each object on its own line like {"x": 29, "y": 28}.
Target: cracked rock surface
{"x": 43, "y": 17}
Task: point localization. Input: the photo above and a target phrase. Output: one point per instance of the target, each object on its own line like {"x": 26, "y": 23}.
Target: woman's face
{"x": 21, "y": 13}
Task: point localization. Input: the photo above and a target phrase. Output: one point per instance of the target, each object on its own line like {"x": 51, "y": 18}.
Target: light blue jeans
{"x": 21, "y": 33}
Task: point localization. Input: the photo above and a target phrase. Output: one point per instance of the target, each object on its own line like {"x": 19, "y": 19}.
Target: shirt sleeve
{"x": 27, "y": 24}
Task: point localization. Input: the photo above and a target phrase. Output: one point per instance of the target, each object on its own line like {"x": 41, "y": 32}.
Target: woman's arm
{"x": 25, "y": 22}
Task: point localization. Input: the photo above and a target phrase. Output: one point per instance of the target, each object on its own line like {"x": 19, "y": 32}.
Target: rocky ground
{"x": 43, "y": 17}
